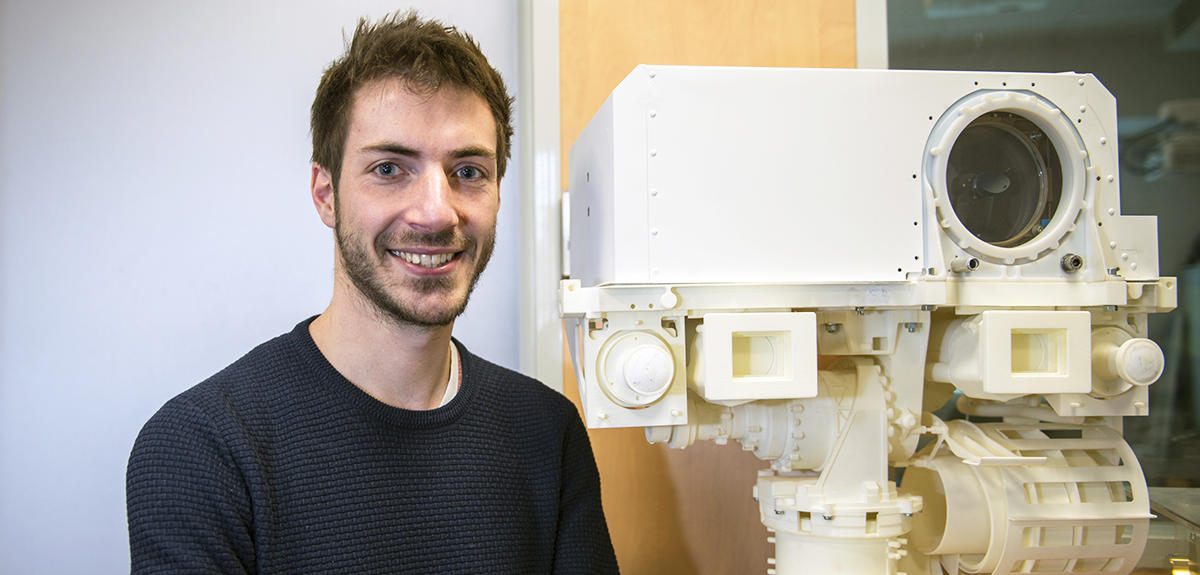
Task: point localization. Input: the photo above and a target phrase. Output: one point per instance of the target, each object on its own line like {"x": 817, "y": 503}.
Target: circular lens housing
{"x": 1004, "y": 179}
{"x": 1007, "y": 173}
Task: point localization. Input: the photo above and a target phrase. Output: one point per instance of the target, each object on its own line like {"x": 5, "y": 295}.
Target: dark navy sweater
{"x": 278, "y": 464}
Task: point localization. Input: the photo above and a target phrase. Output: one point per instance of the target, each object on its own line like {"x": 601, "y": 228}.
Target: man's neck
{"x": 404, "y": 366}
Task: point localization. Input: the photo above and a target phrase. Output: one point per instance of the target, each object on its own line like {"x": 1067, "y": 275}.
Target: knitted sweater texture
{"x": 278, "y": 464}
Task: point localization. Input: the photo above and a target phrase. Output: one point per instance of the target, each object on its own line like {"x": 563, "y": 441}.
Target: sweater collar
{"x": 344, "y": 390}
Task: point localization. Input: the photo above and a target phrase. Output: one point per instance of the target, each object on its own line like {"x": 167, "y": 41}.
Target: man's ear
{"x": 322, "y": 194}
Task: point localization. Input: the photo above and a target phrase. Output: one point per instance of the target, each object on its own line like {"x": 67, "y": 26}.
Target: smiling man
{"x": 367, "y": 440}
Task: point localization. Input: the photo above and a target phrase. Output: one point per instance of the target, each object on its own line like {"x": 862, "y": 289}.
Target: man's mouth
{"x": 424, "y": 260}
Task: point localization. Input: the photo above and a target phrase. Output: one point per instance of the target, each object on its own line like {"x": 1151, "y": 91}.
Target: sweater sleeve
{"x": 187, "y": 504}
{"x": 583, "y": 544}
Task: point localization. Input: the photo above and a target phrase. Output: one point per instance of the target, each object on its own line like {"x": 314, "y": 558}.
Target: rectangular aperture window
{"x": 1039, "y": 351}
{"x": 761, "y": 354}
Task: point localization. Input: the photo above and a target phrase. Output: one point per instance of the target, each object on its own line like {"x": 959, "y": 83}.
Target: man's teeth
{"x": 423, "y": 260}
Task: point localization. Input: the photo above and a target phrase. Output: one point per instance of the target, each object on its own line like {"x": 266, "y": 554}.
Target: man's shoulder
{"x": 271, "y": 359}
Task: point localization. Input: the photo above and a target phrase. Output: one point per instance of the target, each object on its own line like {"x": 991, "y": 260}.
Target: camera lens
{"x": 1004, "y": 179}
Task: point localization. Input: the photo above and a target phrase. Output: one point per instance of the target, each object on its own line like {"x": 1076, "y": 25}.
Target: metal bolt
{"x": 1071, "y": 263}
{"x": 827, "y": 517}
{"x": 833, "y": 327}
{"x": 859, "y": 310}
{"x": 964, "y": 266}
{"x": 911, "y": 326}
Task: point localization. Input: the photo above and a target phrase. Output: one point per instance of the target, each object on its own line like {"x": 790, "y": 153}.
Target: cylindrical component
{"x": 959, "y": 266}
{"x": 659, "y": 433}
{"x": 804, "y": 554}
{"x": 1120, "y": 361}
{"x": 1071, "y": 263}
{"x": 705, "y": 422}
{"x": 635, "y": 368}
{"x": 948, "y": 487}
{"x": 995, "y": 516}
{"x": 1139, "y": 361}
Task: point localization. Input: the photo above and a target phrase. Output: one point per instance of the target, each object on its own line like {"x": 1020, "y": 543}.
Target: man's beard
{"x": 365, "y": 271}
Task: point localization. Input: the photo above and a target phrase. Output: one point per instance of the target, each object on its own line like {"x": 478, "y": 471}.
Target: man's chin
{"x": 425, "y": 311}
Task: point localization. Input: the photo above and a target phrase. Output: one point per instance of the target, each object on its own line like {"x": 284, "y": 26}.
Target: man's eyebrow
{"x": 402, "y": 150}
{"x": 390, "y": 148}
{"x": 473, "y": 151}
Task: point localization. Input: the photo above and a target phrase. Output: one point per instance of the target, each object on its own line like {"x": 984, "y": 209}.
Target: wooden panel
{"x": 600, "y": 41}
{"x": 684, "y": 512}
{"x": 678, "y": 512}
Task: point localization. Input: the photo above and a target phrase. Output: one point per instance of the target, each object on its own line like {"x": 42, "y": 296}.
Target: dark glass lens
{"x": 1004, "y": 179}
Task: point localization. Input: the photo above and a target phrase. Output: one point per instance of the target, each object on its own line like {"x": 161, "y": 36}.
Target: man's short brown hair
{"x": 426, "y": 55}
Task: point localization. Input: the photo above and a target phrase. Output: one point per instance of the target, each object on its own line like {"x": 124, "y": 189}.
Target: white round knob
{"x": 1139, "y": 361}
{"x": 635, "y": 368}
{"x": 649, "y": 369}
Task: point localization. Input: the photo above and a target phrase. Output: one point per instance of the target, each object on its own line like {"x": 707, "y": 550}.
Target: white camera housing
{"x": 772, "y": 177}
{"x": 810, "y": 261}
{"x": 669, "y": 179}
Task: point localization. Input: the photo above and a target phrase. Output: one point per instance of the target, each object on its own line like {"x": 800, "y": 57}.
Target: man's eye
{"x": 387, "y": 169}
{"x": 470, "y": 173}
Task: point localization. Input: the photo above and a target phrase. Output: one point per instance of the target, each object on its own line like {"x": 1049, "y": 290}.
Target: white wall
{"x": 156, "y": 225}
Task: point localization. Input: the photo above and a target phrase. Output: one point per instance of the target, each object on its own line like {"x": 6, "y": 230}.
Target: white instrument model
{"x": 811, "y": 261}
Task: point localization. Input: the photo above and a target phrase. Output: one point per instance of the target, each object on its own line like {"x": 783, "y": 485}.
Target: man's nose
{"x": 433, "y": 209}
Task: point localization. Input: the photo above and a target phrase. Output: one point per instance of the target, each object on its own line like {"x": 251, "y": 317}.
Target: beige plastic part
{"x": 1001, "y": 354}
{"x": 636, "y": 368}
{"x": 1070, "y": 499}
{"x": 1121, "y": 361}
{"x": 850, "y": 517}
{"x": 751, "y": 356}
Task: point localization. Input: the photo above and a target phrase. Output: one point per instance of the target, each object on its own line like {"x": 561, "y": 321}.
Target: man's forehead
{"x": 399, "y": 97}
{"x": 397, "y": 91}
